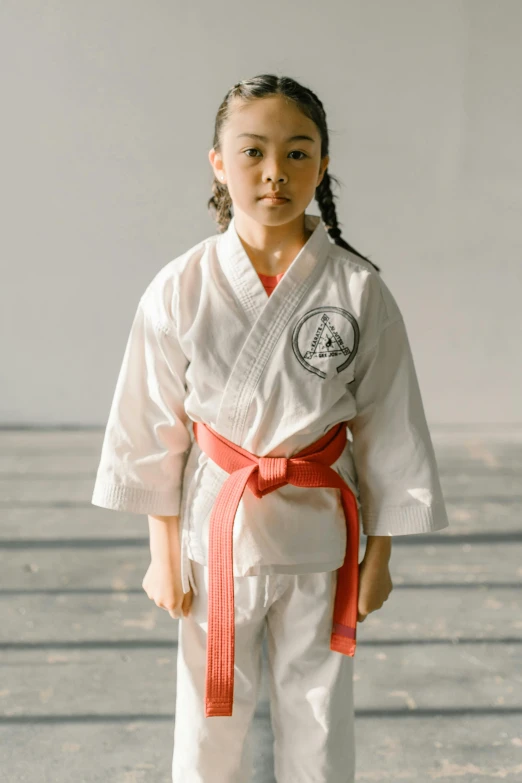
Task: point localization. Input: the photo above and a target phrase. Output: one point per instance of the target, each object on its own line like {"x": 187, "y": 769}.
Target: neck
{"x": 271, "y": 249}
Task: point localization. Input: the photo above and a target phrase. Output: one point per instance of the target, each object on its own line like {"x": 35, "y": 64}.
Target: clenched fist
{"x": 375, "y": 585}
{"x": 162, "y": 583}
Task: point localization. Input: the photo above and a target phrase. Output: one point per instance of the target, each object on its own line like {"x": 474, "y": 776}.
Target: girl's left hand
{"x": 375, "y": 585}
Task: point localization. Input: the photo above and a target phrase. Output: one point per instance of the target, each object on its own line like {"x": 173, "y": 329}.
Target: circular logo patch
{"x": 325, "y": 340}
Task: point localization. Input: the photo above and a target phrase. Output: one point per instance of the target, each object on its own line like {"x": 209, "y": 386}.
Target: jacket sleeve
{"x": 399, "y": 486}
{"x": 147, "y": 436}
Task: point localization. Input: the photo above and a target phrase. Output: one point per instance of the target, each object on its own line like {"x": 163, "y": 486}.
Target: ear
{"x": 216, "y": 163}
{"x": 324, "y": 165}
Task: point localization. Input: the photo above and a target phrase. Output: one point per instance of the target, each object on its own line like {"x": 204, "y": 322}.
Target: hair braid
{"x": 325, "y": 200}
{"x": 221, "y": 203}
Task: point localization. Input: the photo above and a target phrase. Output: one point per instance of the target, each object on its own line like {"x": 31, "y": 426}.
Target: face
{"x": 251, "y": 167}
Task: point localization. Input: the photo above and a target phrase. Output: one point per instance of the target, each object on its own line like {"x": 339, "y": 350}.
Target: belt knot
{"x": 272, "y": 471}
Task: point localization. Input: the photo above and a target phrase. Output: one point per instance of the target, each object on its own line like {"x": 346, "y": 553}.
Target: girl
{"x": 267, "y": 397}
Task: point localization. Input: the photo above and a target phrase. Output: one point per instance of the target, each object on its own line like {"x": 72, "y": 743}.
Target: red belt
{"x": 308, "y": 468}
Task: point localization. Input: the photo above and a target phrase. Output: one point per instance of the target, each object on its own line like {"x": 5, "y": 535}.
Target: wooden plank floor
{"x": 88, "y": 662}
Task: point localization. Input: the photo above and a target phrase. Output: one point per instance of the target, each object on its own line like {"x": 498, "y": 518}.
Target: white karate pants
{"x": 311, "y": 686}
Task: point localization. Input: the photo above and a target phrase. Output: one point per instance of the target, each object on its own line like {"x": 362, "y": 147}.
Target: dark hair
{"x": 261, "y": 87}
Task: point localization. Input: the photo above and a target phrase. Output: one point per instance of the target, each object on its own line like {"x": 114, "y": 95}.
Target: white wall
{"x": 108, "y": 112}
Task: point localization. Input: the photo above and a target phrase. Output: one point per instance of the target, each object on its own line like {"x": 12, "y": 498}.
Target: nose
{"x": 275, "y": 172}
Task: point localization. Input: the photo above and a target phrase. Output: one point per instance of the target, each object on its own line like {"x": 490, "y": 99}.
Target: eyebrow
{"x": 264, "y": 138}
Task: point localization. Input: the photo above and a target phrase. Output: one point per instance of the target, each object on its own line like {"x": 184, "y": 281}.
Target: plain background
{"x": 108, "y": 112}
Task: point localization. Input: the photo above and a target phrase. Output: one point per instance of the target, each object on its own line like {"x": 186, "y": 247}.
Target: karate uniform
{"x": 271, "y": 372}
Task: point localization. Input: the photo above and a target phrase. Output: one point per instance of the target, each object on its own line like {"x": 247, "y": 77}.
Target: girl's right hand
{"x": 162, "y": 583}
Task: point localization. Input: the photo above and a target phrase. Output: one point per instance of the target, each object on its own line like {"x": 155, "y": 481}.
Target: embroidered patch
{"x": 321, "y": 336}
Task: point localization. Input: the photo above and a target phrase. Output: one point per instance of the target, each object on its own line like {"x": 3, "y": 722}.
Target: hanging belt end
{"x": 215, "y": 709}
{"x": 343, "y": 640}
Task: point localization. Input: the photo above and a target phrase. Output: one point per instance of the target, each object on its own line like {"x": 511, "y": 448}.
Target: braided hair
{"x": 261, "y": 87}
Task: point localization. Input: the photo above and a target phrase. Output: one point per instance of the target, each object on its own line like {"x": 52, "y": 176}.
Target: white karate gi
{"x": 271, "y": 374}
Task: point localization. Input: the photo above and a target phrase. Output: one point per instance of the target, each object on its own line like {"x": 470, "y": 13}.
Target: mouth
{"x": 270, "y": 200}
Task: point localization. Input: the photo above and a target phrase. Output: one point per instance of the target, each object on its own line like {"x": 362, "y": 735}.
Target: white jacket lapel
{"x": 268, "y": 316}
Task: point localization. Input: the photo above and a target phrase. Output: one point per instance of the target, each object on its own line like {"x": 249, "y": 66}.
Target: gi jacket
{"x": 271, "y": 374}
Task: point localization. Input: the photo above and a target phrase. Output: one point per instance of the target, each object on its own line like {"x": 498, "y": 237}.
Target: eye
{"x": 254, "y": 149}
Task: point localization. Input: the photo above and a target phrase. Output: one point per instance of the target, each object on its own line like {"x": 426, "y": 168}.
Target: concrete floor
{"x": 88, "y": 663}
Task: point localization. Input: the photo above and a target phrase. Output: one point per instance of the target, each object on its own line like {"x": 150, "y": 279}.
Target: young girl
{"x": 267, "y": 398}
